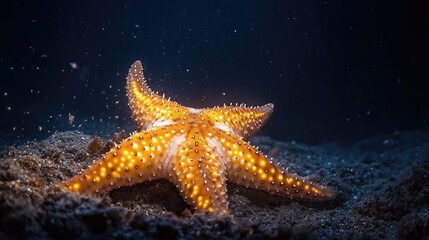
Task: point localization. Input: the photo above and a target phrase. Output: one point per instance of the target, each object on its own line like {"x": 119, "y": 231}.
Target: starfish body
{"x": 196, "y": 149}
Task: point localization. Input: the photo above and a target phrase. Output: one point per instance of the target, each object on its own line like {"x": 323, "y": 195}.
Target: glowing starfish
{"x": 196, "y": 149}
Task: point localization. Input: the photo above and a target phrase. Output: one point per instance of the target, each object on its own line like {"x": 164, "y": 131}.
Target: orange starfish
{"x": 196, "y": 149}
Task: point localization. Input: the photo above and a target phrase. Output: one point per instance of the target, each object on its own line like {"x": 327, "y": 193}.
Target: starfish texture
{"x": 196, "y": 149}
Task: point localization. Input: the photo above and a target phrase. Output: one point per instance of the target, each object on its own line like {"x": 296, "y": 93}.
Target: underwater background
{"x": 336, "y": 71}
{"x": 349, "y": 82}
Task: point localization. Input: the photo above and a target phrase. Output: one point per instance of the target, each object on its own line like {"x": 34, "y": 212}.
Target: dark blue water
{"x": 335, "y": 70}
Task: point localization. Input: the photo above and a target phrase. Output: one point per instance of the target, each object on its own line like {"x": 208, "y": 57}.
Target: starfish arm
{"x": 136, "y": 159}
{"x": 249, "y": 167}
{"x": 239, "y": 120}
{"x": 148, "y": 108}
{"x": 199, "y": 174}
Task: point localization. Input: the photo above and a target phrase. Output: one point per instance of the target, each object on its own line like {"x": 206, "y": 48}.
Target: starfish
{"x": 198, "y": 150}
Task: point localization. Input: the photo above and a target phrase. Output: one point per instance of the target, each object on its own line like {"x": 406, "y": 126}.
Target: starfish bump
{"x": 196, "y": 149}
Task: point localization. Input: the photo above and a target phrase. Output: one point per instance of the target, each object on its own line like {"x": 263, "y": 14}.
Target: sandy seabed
{"x": 382, "y": 185}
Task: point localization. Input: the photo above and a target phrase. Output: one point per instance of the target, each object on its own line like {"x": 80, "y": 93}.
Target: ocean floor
{"x": 382, "y": 184}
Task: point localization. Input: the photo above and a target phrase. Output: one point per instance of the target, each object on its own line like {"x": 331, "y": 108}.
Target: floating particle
{"x": 74, "y": 65}
{"x": 71, "y": 119}
{"x": 9, "y": 108}
{"x": 40, "y": 128}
